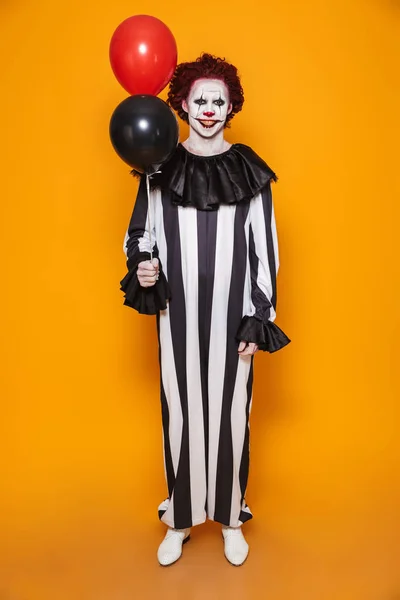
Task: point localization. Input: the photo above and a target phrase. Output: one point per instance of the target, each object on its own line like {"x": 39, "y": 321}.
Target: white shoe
{"x": 236, "y": 548}
{"x": 170, "y": 548}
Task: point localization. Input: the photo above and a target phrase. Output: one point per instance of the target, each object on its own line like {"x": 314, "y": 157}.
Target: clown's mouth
{"x": 207, "y": 123}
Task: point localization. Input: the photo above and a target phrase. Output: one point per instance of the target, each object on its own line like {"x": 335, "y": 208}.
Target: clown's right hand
{"x": 148, "y": 272}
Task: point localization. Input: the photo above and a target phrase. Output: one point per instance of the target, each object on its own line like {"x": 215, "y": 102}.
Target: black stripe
{"x": 206, "y": 240}
{"x": 177, "y": 312}
{"x": 245, "y": 516}
{"x": 224, "y": 477}
{"x": 267, "y": 206}
{"x": 244, "y": 463}
{"x": 169, "y": 468}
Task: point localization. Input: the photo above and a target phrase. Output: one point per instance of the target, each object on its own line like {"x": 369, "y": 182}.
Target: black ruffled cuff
{"x": 147, "y": 301}
{"x": 268, "y": 336}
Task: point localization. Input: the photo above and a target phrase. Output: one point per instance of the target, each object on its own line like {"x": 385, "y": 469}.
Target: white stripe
{"x": 144, "y": 244}
{"x": 248, "y": 306}
{"x": 164, "y": 505}
{"x": 239, "y": 401}
{"x": 238, "y": 426}
{"x": 188, "y": 238}
{"x": 159, "y": 233}
{"x": 275, "y": 239}
{"x": 125, "y": 247}
{"x": 258, "y": 222}
{"x": 218, "y": 336}
{"x": 168, "y": 370}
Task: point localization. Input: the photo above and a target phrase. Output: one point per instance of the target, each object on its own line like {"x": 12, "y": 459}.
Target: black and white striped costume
{"x": 214, "y": 232}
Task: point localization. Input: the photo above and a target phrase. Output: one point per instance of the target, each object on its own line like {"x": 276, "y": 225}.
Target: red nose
{"x": 209, "y": 114}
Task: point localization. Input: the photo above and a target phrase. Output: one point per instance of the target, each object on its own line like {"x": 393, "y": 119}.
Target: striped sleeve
{"x": 264, "y": 264}
{"x": 138, "y": 244}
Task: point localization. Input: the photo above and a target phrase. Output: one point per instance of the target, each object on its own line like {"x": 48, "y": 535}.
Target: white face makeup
{"x": 207, "y": 106}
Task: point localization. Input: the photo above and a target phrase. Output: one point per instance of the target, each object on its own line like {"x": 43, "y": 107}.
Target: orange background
{"x": 82, "y": 470}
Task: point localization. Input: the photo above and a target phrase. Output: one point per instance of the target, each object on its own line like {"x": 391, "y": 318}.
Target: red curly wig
{"x": 206, "y": 66}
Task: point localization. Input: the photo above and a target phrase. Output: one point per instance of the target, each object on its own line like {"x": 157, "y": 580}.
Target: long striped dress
{"x": 217, "y": 286}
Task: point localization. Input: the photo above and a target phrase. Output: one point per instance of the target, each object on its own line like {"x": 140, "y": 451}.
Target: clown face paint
{"x": 207, "y": 106}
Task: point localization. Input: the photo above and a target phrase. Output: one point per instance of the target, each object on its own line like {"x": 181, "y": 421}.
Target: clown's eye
{"x": 219, "y": 102}
{"x": 200, "y": 101}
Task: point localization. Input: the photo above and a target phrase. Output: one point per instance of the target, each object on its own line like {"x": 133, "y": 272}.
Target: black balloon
{"x": 144, "y": 132}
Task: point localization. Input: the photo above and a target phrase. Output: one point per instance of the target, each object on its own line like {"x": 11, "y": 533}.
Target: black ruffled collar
{"x": 205, "y": 182}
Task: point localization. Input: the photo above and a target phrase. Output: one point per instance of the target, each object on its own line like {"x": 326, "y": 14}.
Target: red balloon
{"x": 143, "y": 55}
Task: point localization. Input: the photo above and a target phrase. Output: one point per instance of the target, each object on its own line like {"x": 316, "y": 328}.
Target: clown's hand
{"x": 247, "y": 348}
{"x": 148, "y": 272}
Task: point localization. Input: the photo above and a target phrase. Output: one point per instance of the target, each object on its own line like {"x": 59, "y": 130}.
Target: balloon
{"x": 144, "y": 132}
{"x": 143, "y": 55}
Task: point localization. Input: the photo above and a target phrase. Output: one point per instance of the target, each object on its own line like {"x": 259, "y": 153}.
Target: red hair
{"x": 206, "y": 66}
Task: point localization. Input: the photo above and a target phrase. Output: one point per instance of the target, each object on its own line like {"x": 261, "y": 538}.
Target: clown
{"x": 210, "y": 227}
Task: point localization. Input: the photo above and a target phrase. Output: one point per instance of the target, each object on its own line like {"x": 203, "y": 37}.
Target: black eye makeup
{"x": 219, "y": 102}
{"x": 200, "y": 101}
